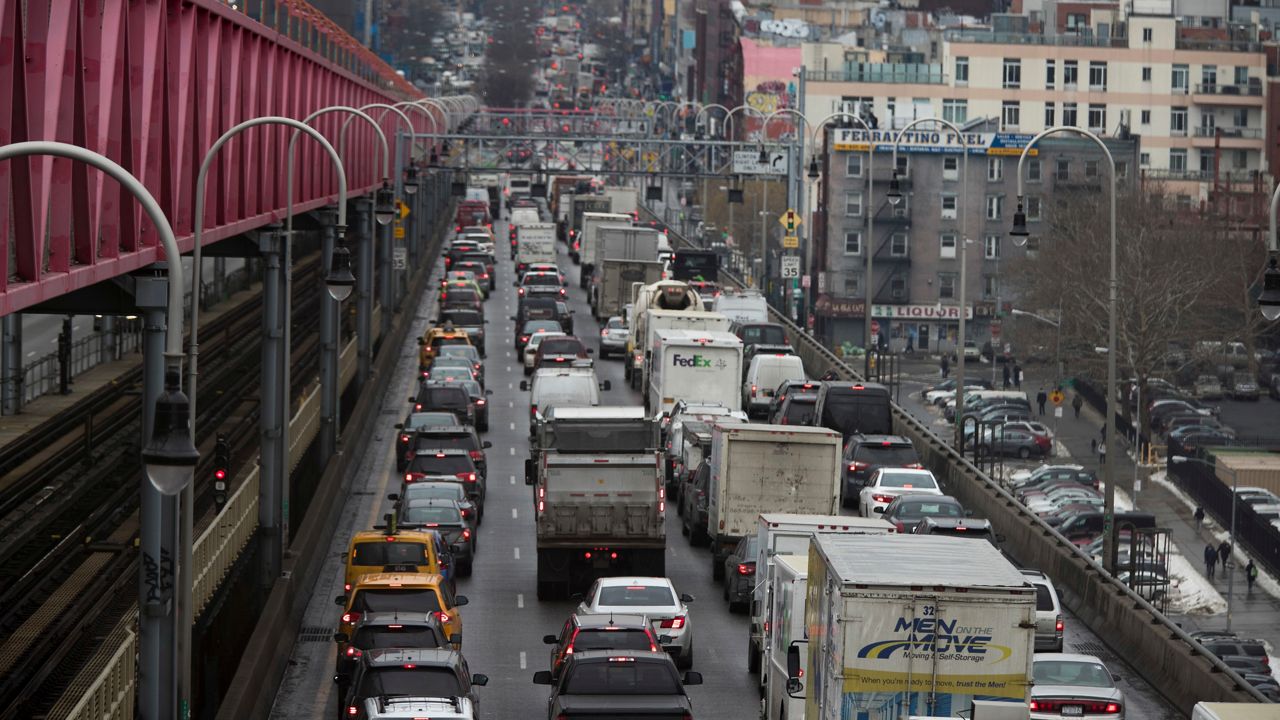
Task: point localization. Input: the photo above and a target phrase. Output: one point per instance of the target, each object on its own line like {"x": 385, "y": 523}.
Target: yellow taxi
{"x": 402, "y": 592}
{"x": 452, "y": 283}
{"x": 436, "y": 338}
{"x": 410, "y": 551}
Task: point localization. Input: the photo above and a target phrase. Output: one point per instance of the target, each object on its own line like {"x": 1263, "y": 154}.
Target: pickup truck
{"x": 618, "y": 683}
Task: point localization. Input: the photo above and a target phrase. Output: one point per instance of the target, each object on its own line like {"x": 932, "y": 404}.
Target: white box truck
{"x": 693, "y": 365}
{"x": 759, "y": 469}
{"x": 589, "y": 241}
{"x": 621, "y": 242}
{"x": 615, "y": 278}
{"x": 625, "y": 199}
{"x": 789, "y": 534}
{"x": 787, "y": 592}
{"x": 918, "y": 625}
{"x": 535, "y": 243}
{"x": 655, "y": 320}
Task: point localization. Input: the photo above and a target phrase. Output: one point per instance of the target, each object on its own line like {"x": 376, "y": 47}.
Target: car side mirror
{"x": 793, "y": 661}
{"x": 692, "y": 677}
{"x": 399, "y": 426}
{"x": 577, "y": 596}
{"x": 479, "y": 679}
{"x": 513, "y": 318}
{"x": 488, "y": 392}
{"x": 879, "y": 510}
{"x": 686, "y": 597}
{"x": 340, "y": 637}
{"x": 413, "y": 399}
{"x": 340, "y": 600}
{"x": 422, "y": 341}
{"x": 591, "y": 351}
{"x": 530, "y": 471}
{"x": 606, "y": 386}
{"x": 542, "y": 677}
{"x": 460, "y": 600}
{"x": 515, "y": 284}
{"x": 394, "y": 497}
{"x": 524, "y": 385}
{"x": 486, "y": 444}
{"x": 550, "y": 639}
{"x": 968, "y": 513}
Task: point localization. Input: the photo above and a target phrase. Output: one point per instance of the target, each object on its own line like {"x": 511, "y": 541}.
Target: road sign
{"x": 790, "y": 220}
{"x": 1056, "y": 397}
{"x": 790, "y": 267}
{"x": 804, "y": 282}
{"x": 791, "y": 242}
{"x": 404, "y": 209}
{"x": 399, "y": 231}
{"x": 747, "y": 162}
{"x": 995, "y": 329}
{"x": 400, "y": 259}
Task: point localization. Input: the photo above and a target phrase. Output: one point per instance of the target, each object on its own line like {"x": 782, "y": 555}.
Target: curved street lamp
{"x": 1019, "y": 232}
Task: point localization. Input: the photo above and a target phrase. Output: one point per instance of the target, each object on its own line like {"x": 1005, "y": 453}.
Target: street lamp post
{"x": 169, "y": 457}
{"x": 895, "y": 197}
{"x": 1231, "y": 585}
{"x": 1020, "y": 234}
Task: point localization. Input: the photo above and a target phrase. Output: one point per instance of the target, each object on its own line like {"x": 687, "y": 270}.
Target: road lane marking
{"x": 513, "y": 426}
{"x": 520, "y": 600}
{"x": 523, "y": 661}
{"x": 511, "y": 450}
{"x": 517, "y": 552}
{"x": 511, "y": 386}
{"x": 511, "y": 403}
{"x": 509, "y": 369}
{"x": 513, "y": 513}
{"x": 513, "y": 479}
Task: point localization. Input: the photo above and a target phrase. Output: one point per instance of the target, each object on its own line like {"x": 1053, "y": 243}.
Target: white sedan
{"x": 654, "y": 597}
{"x": 531, "y": 347}
{"x": 1076, "y": 686}
{"x": 888, "y": 483}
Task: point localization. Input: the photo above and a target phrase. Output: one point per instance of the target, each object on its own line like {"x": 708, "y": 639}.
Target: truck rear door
{"x": 603, "y": 496}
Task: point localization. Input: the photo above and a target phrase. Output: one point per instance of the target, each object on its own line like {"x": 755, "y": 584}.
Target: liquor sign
{"x": 920, "y": 312}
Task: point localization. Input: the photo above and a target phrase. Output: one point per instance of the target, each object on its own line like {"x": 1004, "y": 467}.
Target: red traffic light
{"x": 219, "y": 474}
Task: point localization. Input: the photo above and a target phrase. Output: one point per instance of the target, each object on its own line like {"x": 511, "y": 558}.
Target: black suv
{"x": 449, "y": 398}
{"x": 1229, "y": 645}
{"x": 417, "y": 672}
{"x": 453, "y": 462}
{"x": 456, "y": 436}
{"x": 378, "y": 630}
{"x": 864, "y": 454}
{"x": 601, "y": 683}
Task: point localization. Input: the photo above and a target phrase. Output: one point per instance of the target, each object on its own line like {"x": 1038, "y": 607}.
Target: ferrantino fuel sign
{"x": 921, "y": 312}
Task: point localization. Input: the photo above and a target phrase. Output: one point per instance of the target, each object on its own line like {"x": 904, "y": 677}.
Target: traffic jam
{"x": 657, "y": 401}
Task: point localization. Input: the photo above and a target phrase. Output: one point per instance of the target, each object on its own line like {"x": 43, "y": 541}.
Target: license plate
{"x": 1073, "y": 710}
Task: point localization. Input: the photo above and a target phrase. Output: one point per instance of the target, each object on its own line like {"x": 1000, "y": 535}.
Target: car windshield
{"x": 389, "y": 553}
{"x": 395, "y": 636}
{"x": 611, "y": 639}
{"x": 800, "y": 409}
{"x": 1071, "y": 672}
{"x": 426, "y": 514}
{"x": 422, "y": 600}
{"x": 417, "y": 421}
{"x": 445, "y": 440}
{"x": 536, "y": 341}
{"x": 635, "y": 595}
{"x": 534, "y": 326}
{"x": 463, "y": 317}
{"x": 466, "y": 352}
{"x": 853, "y": 409}
{"x": 907, "y": 480}
{"x": 764, "y": 335}
{"x": 539, "y": 279}
{"x": 436, "y": 490}
{"x": 621, "y": 677}
{"x": 927, "y": 508}
{"x": 615, "y": 323}
{"x": 444, "y": 397}
{"x": 410, "y": 680}
{"x": 561, "y": 346}
{"x": 442, "y": 340}
{"x": 461, "y": 295}
{"x": 886, "y": 455}
{"x": 446, "y": 465}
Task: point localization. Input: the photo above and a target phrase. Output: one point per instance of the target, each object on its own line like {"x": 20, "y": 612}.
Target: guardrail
{"x": 1178, "y": 666}
{"x": 43, "y": 375}
{"x": 110, "y": 695}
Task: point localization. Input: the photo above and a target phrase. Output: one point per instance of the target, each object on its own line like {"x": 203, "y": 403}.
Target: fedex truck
{"x": 695, "y": 366}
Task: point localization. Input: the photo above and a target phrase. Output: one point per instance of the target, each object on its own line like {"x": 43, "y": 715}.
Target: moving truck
{"x": 580, "y": 205}
{"x": 759, "y": 469}
{"x": 588, "y": 241}
{"x": 645, "y": 299}
{"x": 787, "y": 593}
{"x": 696, "y": 366}
{"x": 535, "y": 243}
{"x": 916, "y": 625}
{"x": 789, "y": 534}
{"x": 622, "y": 242}
{"x": 625, "y": 200}
{"x": 616, "y": 277}
{"x": 653, "y": 320}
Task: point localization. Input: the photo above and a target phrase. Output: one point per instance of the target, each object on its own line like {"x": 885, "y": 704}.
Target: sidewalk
{"x": 1254, "y": 614}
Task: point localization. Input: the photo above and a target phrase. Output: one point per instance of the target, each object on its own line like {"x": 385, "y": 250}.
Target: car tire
{"x": 717, "y": 567}
{"x": 1024, "y": 453}
{"x": 464, "y": 570}
{"x": 483, "y": 427}
{"x": 725, "y": 593}
{"x": 685, "y": 661}
{"x": 753, "y": 656}
{"x": 684, "y": 527}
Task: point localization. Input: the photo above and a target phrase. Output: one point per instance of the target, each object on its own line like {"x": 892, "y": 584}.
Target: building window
{"x": 1146, "y": 35}
{"x": 1145, "y": 117}
{"x": 898, "y": 245}
{"x": 1033, "y": 170}
{"x": 902, "y": 209}
{"x": 1077, "y": 22}
{"x": 989, "y": 288}
{"x": 853, "y": 243}
{"x": 1010, "y": 114}
{"x": 853, "y": 204}
{"x": 995, "y": 207}
{"x": 1012, "y": 73}
{"x": 948, "y": 207}
{"x": 1178, "y": 122}
{"x": 1240, "y": 117}
{"x": 1070, "y": 74}
{"x": 1209, "y": 76}
{"x": 1097, "y": 76}
{"x": 1146, "y": 74}
{"x": 1091, "y": 168}
{"x": 947, "y": 246}
{"x": 1122, "y": 170}
{"x": 1178, "y": 160}
{"x": 904, "y": 166}
{"x": 1050, "y": 109}
{"x": 1069, "y": 114}
{"x": 946, "y": 285}
{"x": 1240, "y": 159}
{"x": 1063, "y": 169}
{"x": 991, "y": 247}
{"x": 962, "y": 71}
{"x": 1050, "y": 70}
{"x": 1097, "y": 117}
{"x": 1208, "y": 120}
{"x": 1144, "y": 159}
{"x": 1179, "y": 78}
{"x": 1206, "y": 162}
{"x": 898, "y": 288}
{"x": 853, "y": 284}
{"x": 1242, "y": 75}
{"x": 1033, "y": 208}
{"x": 956, "y": 111}
{"x": 995, "y": 169}
{"x": 951, "y": 168}
{"x": 853, "y": 165}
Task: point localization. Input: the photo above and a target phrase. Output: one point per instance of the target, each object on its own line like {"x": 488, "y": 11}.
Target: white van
{"x": 562, "y": 387}
{"x": 764, "y": 375}
{"x": 743, "y": 307}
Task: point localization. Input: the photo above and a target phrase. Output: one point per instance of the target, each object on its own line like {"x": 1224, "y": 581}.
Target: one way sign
{"x": 747, "y": 162}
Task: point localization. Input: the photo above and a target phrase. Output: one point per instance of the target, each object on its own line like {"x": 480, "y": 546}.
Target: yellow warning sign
{"x": 404, "y": 209}
{"x": 791, "y": 241}
{"x": 789, "y": 220}
{"x": 399, "y": 231}
{"x": 1056, "y": 397}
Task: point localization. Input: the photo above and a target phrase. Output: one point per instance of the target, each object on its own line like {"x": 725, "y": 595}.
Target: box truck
{"x": 588, "y": 241}
{"x": 787, "y": 593}
{"x": 580, "y": 205}
{"x": 535, "y": 243}
{"x": 616, "y": 277}
{"x": 912, "y": 625}
{"x": 696, "y": 366}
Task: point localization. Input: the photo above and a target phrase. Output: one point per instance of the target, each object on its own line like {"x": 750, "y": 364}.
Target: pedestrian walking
{"x": 1077, "y": 402}
{"x": 1199, "y": 516}
{"x": 1210, "y": 560}
{"x": 946, "y": 367}
{"x": 1224, "y": 553}
{"x": 1250, "y": 574}
{"x": 1017, "y": 376}
{"x": 1006, "y": 374}
{"x": 1041, "y": 399}
{"x": 1102, "y": 454}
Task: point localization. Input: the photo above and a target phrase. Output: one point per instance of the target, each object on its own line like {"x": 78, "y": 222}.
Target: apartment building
{"x": 1195, "y": 96}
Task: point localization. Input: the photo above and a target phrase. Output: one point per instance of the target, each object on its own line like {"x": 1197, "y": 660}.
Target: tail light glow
{"x": 350, "y": 617}
{"x": 746, "y": 568}
{"x": 674, "y": 623}
{"x": 881, "y": 498}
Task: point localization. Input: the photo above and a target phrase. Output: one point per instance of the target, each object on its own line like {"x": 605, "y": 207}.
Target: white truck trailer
{"x": 535, "y": 243}
{"x": 912, "y": 625}
{"x": 693, "y": 365}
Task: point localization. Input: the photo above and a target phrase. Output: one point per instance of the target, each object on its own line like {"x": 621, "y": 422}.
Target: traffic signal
{"x": 221, "y": 470}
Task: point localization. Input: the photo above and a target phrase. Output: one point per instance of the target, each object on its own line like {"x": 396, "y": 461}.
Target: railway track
{"x": 68, "y": 502}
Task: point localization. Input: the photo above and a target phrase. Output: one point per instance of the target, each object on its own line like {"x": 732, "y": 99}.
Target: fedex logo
{"x": 694, "y": 361}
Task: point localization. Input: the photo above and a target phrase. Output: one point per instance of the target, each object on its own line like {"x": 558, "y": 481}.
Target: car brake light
{"x": 350, "y": 617}
{"x": 466, "y": 534}
{"x": 352, "y": 710}
{"x": 404, "y": 438}
{"x": 753, "y": 389}
{"x": 1059, "y": 625}
{"x": 674, "y": 623}
{"x": 857, "y": 465}
{"x": 881, "y": 498}
{"x": 746, "y": 568}
{"x": 480, "y": 401}
{"x": 444, "y": 616}
{"x": 467, "y": 476}
{"x": 524, "y": 338}
{"x": 916, "y": 466}
{"x": 476, "y": 455}
{"x": 353, "y": 652}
